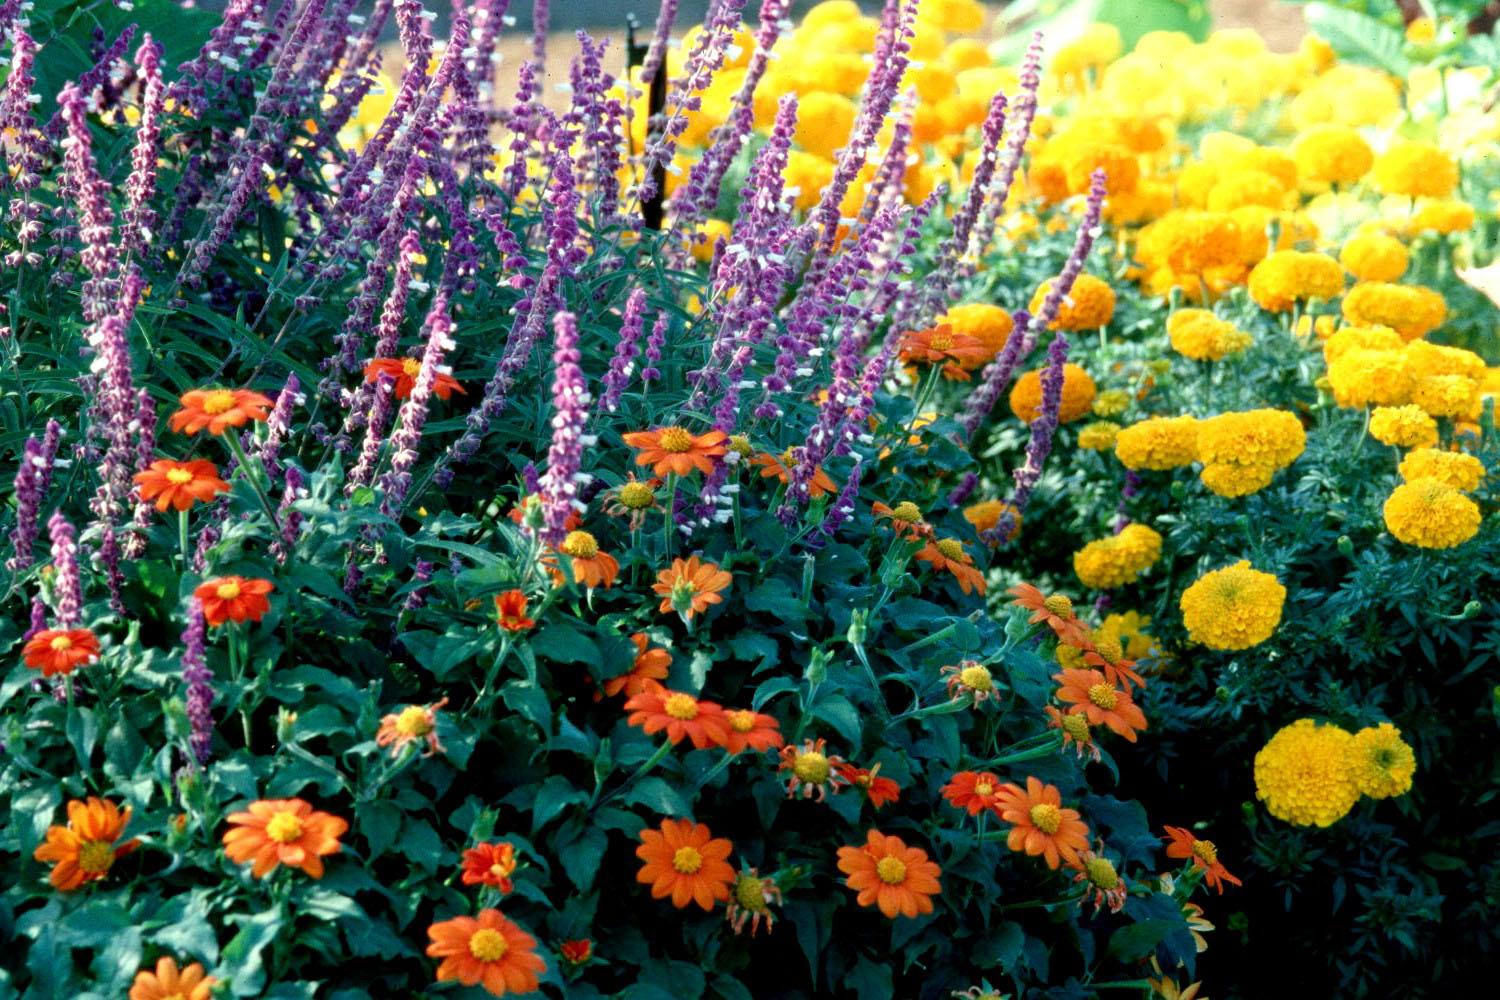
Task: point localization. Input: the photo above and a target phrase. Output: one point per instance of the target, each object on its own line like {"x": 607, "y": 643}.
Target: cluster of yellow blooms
{"x": 1312, "y": 774}
{"x": 1120, "y": 559}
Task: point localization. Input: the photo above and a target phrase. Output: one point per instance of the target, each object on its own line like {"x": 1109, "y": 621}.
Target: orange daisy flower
{"x": 216, "y": 410}
{"x": 577, "y": 952}
{"x": 677, "y": 451}
{"x": 948, "y": 554}
{"x": 85, "y": 849}
{"x": 888, "y": 874}
{"x": 490, "y": 864}
{"x": 868, "y": 780}
{"x": 591, "y": 567}
{"x": 690, "y": 586}
{"x": 405, "y": 372}
{"x": 510, "y": 610}
{"x": 1040, "y": 824}
{"x": 412, "y": 724}
{"x": 1090, "y": 693}
{"x": 1104, "y": 651}
{"x": 1056, "y": 610}
{"x": 283, "y": 832}
{"x": 686, "y": 862}
{"x": 814, "y": 769}
{"x": 941, "y": 345}
{"x": 1204, "y": 855}
{"x": 905, "y": 518}
{"x": 651, "y": 664}
{"x": 167, "y": 982}
{"x": 179, "y": 485}
{"x": 60, "y": 651}
{"x": 234, "y": 599}
{"x": 487, "y": 950}
{"x": 1076, "y": 732}
{"x": 973, "y": 791}
{"x": 772, "y": 466}
{"x": 751, "y": 730}
{"x": 681, "y": 715}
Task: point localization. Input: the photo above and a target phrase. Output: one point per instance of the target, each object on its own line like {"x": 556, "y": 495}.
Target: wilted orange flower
{"x": 905, "y": 518}
{"x": 750, "y": 901}
{"x": 167, "y": 982}
{"x": 1055, "y": 609}
{"x": 690, "y": 586}
{"x": 686, "y": 862}
{"x": 287, "y": 832}
{"x": 490, "y": 864}
{"x": 868, "y": 780}
{"x": 85, "y": 849}
{"x": 1091, "y": 694}
{"x": 751, "y": 730}
{"x": 412, "y": 724}
{"x": 233, "y": 599}
{"x": 681, "y": 715}
{"x": 577, "y": 952}
{"x": 405, "y": 372}
{"x": 1204, "y": 855}
{"x": 973, "y": 791}
{"x": 487, "y": 950}
{"x": 1075, "y": 732}
{"x": 591, "y": 567}
{"x": 1105, "y": 652}
{"x": 676, "y": 450}
{"x": 218, "y": 409}
{"x": 780, "y": 467}
{"x": 510, "y": 611}
{"x": 942, "y": 345}
{"x": 814, "y": 770}
{"x": 1041, "y": 825}
{"x": 888, "y": 874}
{"x": 60, "y": 651}
{"x": 1103, "y": 883}
{"x": 948, "y": 554}
{"x": 179, "y": 485}
{"x": 651, "y": 664}
{"x": 969, "y": 678}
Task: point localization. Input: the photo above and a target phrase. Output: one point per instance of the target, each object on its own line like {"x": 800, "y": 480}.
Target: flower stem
{"x": 640, "y": 772}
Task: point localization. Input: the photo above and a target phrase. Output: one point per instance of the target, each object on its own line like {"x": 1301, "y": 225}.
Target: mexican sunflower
{"x": 681, "y": 715}
{"x": 510, "y": 611}
{"x": 689, "y": 586}
{"x": 677, "y": 451}
{"x": 216, "y": 410}
{"x": 1040, "y": 824}
{"x": 591, "y": 566}
{"x": 179, "y": 485}
{"x": 234, "y": 599}
{"x": 490, "y": 864}
{"x": 651, "y": 664}
{"x": 60, "y": 651}
{"x": 1091, "y": 694}
{"x": 167, "y": 982}
{"x": 941, "y": 345}
{"x": 878, "y": 790}
{"x": 283, "y": 832}
{"x": 749, "y": 730}
{"x": 888, "y": 874}
{"x": 973, "y": 791}
{"x": 405, "y": 372}
{"x": 1106, "y": 653}
{"x": 577, "y": 951}
{"x": 85, "y": 849}
{"x": 948, "y": 554}
{"x": 906, "y": 519}
{"x": 686, "y": 862}
{"x": 780, "y": 467}
{"x": 1056, "y": 610}
{"x": 487, "y": 950}
{"x": 413, "y": 724}
{"x": 1203, "y": 854}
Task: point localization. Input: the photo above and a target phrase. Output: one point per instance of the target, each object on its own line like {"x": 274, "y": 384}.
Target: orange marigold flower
{"x": 234, "y": 599}
{"x": 686, "y": 862}
{"x": 905, "y": 518}
{"x": 412, "y": 724}
{"x": 888, "y": 874}
{"x": 651, "y": 664}
{"x": 948, "y": 554}
{"x": 85, "y": 849}
{"x": 973, "y": 791}
{"x": 681, "y": 715}
{"x": 958, "y": 353}
{"x": 1039, "y": 823}
{"x": 812, "y": 768}
{"x": 1104, "y": 651}
{"x": 487, "y": 950}
{"x": 287, "y": 832}
{"x": 216, "y": 410}
{"x": 1076, "y": 732}
{"x": 510, "y": 611}
{"x": 490, "y": 864}
{"x": 751, "y": 730}
{"x": 750, "y": 901}
{"x": 1203, "y": 854}
{"x": 780, "y": 467}
{"x": 677, "y": 451}
{"x": 405, "y": 372}
{"x": 689, "y": 586}
{"x": 868, "y": 780}
{"x": 60, "y": 651}
{"x": 179, "y": 485}
{"x": 577, "y": 952}
{"x": 591, "y": 567}
{"x": 167, "y": 982}
{"x": 1054, "y": 609}
{"x": 1099, "y": 701}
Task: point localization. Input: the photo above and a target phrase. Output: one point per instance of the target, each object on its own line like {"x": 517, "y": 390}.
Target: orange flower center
{"x": 976, "y": 678}
{"x": 906, "y": 511}
{"x": 95, "y": 856}
{"x": 488, "y": 945}
{"x": 411, "y": 367}
{"x": 413, "y": 722}
{"x": 1109, "y": 648}
{"x": 179, "y": 477}
{"x": 742, "y": 721}
{"x": 217, "y": 402}
{"x": 1046, "y": 817}
{"x": 812, "y": 767}
{"x": 687, "y": 860}
{"x": 1101, "y": 873}
{"x": 984, "y": 789}
{"x": 580, "y": 545}
{"x": 61, "y": 642}
{"x": 1104, "y": 696}
{"x": 681, "y": 706}
{"x": 228, "y": 591}
{"x": 674, "y": 439}
{"x": 952, "y": 548}
{"x": 636, "y": 496}
{"x": 284, "y": 827}
{"x": 892, "y": 871}
{"x": 1059, "y": 605}
{"x": 1206, "y": 850}
{"x": 1077, "y": 727}
{"x": 750, "y": 893}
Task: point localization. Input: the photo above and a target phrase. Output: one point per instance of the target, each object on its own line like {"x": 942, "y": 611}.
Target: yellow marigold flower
{"x": 1158, "y": 443}
{"x": 1430, "y": 514}
{"x": 1247, "y": 187}
{"x": 823, "y": 122}
{"x": 1202, "y": 336}
{"x": 1232, "y": 608}
{"x": 1240, "y": 452}
{"x": 1088, "y": 306}
{"x": 1456, "y": 469}
{"x": 1362, "y": 377}
{"x": 986, "y": 323}
{"x": 1424, "y": 359}
{"x": 808, "y": 174}
{"x": 1288, "y": 276}
{"x": 1415, "y": 169}
{"x": 1190, "y": 242}
{"x": 1321, "y": 327}
{"x": 1111, "y": 403}
{"x": 1099, "y": 435}
{"x": 1077, "y": 395}
{"x": 1332, "y": 154}
{"x": 1303, "y": 775}
{"x": 1112, "y": 562}
{"x": 1403, "y": 426}
{"x": 986, "y": 514}
{"x": 1350, "y": 338}
{"x": 1374, "y": 257}
{"x": 1452, "y": 396}
{"x": 1097, "y": 46}
{"x": 1410, "y": 310}
{"x": 1380, "y": 762}
{"x": 1444, "y": 216}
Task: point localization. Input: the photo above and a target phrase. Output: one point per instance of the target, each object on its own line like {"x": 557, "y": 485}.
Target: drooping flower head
{"x": 1202, "y": 853}
{"x": 86, "y": 849}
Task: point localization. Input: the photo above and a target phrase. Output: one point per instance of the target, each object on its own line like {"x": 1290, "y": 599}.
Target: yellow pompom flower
{"x": 1364, "y": 377}
{"x": 1303, "y": 775}
{"x": 1088, "y": 305}
{"x": 1461, "y": 471}
{"x": 1232, "y": 608}
{"x": 986, "y": 323}
{"x": 1077, "y": 395}
{"x": 1374, "y": 257}
{"x": 1158, "y": 443}
{"x": 1416, "y": 170}
{"x": 1202, "y": 336}
{"x": 1332, "y": 154}
{"x": 1351, "y": 338}
{"x": 1380, "y": 762}
{"x": 1425, "y": 359}
{"x": 1444, "y": 216}
{"x": 1099, "y": 435}
{"x": 823, "y": 122}
{"x": 1403, "y": 426}
{"x": 1410, "y": 310}
{"x": 1430, "y": 514}
{"x": 1112, "y": 562}
{"x": 1240, "y": 452}
{"x": 808, "y": 174}
{"x": 1247, "y": 187}
{"x": 1451, "y": 396}
{"x": 1287, "y": 276}
{"x": 1190, "y": 242}
{"x": 1111, "y": 403}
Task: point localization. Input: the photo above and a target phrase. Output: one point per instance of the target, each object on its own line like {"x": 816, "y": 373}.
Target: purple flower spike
{"x": 1043, "y": 428}
{"x": 67, "y": 583}
{"x": 570, "y": 414}
{"x": 32, "y": 478}
{"x": 140, "y": 218}
{"x": 199, "y": 681}
{"x": 632, "y": 325}
{"x": 408, "y": 437}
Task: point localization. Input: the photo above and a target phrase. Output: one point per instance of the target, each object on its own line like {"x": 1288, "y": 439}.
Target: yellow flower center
{"x": 580, "y": 545}
{"x": 1109, "y": 648}
{"x": 907, "y": 511}
{"x": 675, "y": 439}
{"x": 413, "y": 722}
{"x": 95, "y": 856}
{"x": 984, "y": 789}
{"x": 1077, "y": 727}
{"x": 1101, "y": 873}
{"x": 892, "y": 871}
{"x": 742, "y": 720}
{"x": 217, "y": 402}
{"x": 750, "y": 893}
{"x": 1104, "y": 696}
{"x": 681, "y": 706}
{"x": 488, "y": 945}
{"x": 1046, "y": 818}
{"x": 1059, "y": 605}
{"x": 284, "y": 828}
{"x": 411, "y": 367}
{"x": 636, "y": 496}
{"x": 941, "y": 340}
{"x": 61, "y": 642}
{"x": 976, "y": 678}
{"x": 687, "y": 860}
{"x": 952, "y": 548}
{"x": 812, "y": 767}
{"x": 1206, "y": 850}
{"x": 227, "y": 591}
{"x": 179, "y": 477}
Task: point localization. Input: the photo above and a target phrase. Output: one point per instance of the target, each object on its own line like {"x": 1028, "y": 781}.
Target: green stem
{"x": 713, "y": 772}
{"x": 182, "y": 537}
{"x": 253, "y": 473}
{"x": 640, "y": 772}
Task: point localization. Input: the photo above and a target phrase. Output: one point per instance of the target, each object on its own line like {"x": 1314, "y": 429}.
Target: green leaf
{"x": 657, "y": 795}
{"x": 1139, "y": 939}
{"x": 583, "y": 848}
{"x": 838, "y": 712}
{"x": 241, "y": 965}
{"x": 565, "y": 644}
{"x": 1000, "y": 947}
{"x": 871, "y": 980}
{"x": 555, "y": 795}
{"x": 530, "y": 702}
{"x": 1359, "y": 37}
